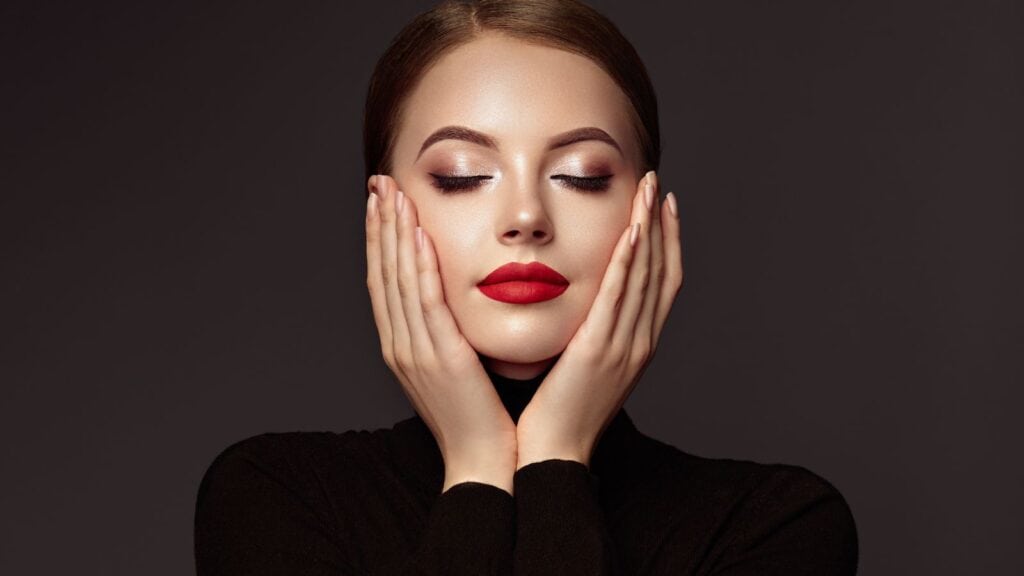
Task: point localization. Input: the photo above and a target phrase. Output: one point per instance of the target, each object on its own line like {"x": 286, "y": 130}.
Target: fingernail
{"x": 634, "y": 234}
{"x": 672, "y": 204}
{"x": 371, "y": 205}
{"x": 400, "y": 201}
{"x": 383, "y": 187}
{"x": 419, "y": 238}
{"x": 648, "y": 195}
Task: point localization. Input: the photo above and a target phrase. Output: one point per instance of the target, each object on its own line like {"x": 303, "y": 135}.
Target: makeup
{"x": 517, "y": 283}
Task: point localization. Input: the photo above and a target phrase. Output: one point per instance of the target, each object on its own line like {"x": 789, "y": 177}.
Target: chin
{"x": 517, "y": 344}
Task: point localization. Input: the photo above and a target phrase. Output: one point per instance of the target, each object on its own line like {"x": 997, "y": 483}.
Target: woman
{"x": 521, "y": 266}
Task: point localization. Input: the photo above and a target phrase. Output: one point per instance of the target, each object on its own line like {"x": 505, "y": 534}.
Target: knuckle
{"x": 403, "y": 285}
{"x": 427, "y": 364}
{"x": 645, "y": 278}
{"x": 660, "y": 273}
{"x": 617, "y": 353}
{"x": 404, "y": 361}
{"x": 429, "y": 302}
{"x": 642, "y": 350}
{"x": 617, "y": 303}
{"x": 677, "y": 281}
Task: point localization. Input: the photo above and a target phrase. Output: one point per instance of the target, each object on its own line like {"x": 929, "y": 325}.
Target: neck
{"x": 516, "y": 370}
{"x": 516, "y": 393}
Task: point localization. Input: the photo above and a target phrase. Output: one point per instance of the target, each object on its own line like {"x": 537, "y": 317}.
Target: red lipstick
{"x": 517, "y": 283}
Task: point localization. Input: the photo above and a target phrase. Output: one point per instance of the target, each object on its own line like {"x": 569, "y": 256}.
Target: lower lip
{"x": 522, "y": 292}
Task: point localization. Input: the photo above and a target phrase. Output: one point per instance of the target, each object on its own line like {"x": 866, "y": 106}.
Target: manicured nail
{"x": 382, "y": 186}
{"x": 672, "y": 204}
{"x": 400, "y": 201}
{"x": 371, "y": 205}
{"x": 419, "y": 238}
{"x": 634, "y": 234}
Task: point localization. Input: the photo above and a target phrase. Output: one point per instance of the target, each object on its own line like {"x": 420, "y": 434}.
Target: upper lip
{"x": 516, "y": 271}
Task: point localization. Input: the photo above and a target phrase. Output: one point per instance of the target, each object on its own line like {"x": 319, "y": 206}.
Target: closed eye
{"x": 586, "y": 183}
{"x": 465, "y": 183}
{"x": 457, "y": 183}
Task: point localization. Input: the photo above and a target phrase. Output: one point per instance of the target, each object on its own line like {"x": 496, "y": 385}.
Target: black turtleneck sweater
{"x": 370, "y": 503}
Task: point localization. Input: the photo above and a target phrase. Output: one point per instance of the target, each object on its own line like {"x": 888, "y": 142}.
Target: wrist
{"x": 540, "y": 454}
{"x": 497, "y": 475}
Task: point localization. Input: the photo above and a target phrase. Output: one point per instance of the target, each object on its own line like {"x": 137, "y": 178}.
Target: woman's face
{"x": 518, "y": 109}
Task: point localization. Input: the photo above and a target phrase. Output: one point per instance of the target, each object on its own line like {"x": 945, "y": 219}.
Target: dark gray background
{"x": 183, "y": 261}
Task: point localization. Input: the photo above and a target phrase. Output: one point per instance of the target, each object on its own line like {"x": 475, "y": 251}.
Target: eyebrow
{"x": 479, "y": 138}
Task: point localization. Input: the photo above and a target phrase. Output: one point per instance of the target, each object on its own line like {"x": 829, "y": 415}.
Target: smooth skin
{"x": 623, "y": 283}
{"x": 445, "y": 380}
{"x": 440, "y": 372}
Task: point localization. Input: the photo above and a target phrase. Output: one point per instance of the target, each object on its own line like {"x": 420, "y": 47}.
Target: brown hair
{"x": 566, "y": 24}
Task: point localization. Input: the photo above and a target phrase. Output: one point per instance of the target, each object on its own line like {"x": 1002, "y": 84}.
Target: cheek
{"x": 594, "y": 237}
{"x": 453, "y": 266}
{"x": 457, "y": 241}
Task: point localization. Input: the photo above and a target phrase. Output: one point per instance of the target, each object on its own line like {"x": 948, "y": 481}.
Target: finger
{"x": 444, "y": 332}
{"x": 672, "y": 280}
{"x": 408, "y": 278}
{"x": 389, "y": 267}
{"x": 374, "y": 279}
{"x": 600, "y": 321}
{"x": 644, "y": 341}
{"x": 639, "y": 271}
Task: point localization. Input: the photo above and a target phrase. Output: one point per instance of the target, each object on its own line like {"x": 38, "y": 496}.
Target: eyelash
{"x": 465, "y": 183}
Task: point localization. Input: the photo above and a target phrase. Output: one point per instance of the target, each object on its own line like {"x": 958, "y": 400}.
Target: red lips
{"x": 517, "y": 283}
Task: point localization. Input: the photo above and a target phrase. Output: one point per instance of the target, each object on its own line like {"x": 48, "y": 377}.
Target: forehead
{"x": 517, "y": 91}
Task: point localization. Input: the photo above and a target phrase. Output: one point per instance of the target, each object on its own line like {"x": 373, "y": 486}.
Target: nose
{"x": 524, "y": 217}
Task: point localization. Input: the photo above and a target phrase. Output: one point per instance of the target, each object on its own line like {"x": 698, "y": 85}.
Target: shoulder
{"x": 769, "y": 495}
{"x": 774, "y": 515}
{"x": 742, "y": 481}
{"x": 271, "y": 499}
{"x": 282, "y": 451}
{"x": 769, "y": 484}
{"x": 292, "y": 462}
{"x": 280, "y": 447}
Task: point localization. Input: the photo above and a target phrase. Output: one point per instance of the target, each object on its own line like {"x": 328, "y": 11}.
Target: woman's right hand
{"x": 440, "y": 372}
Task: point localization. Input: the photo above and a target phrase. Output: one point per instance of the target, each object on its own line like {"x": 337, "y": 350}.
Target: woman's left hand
{"x": 609, "y": 352}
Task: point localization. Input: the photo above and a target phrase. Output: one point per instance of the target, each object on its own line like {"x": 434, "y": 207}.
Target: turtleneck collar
{"x": 416, "y": 451}
{"x": 516, "y": 394}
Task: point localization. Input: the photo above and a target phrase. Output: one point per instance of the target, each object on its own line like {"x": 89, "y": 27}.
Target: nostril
{"x": 536, "y": 234}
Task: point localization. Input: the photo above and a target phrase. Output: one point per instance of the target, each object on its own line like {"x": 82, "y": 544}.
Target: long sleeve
{"x": 258, "y": 512}
{"x": 560, "y": 527}
{"x": 370, "y": 504}
{"x": 765, "y": 520}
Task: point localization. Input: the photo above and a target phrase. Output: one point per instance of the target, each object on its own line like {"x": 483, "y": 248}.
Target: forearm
{"x": 560, "y": 527}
